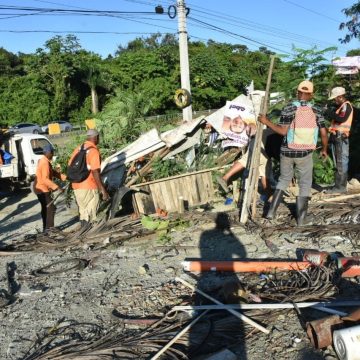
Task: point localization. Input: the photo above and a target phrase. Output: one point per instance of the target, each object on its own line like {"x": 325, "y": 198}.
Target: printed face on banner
{"x": 238, "y": 124}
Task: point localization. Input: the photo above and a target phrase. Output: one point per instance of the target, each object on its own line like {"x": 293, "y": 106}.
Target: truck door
{"x": 35, "y": 153}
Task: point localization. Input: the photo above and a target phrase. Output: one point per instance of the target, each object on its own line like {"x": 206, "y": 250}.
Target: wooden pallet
{"x": 190, "y": 189}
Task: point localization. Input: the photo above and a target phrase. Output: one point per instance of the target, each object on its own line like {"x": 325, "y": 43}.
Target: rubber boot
{"x": 302, "y": 216}
{"x": 277, "y": 198}
{"x": 343, "y": 182}
{"x": 84, "y": 225}
{"x": 340, "y": 184}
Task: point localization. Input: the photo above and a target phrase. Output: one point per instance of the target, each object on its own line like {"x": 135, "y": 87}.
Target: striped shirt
{"x": 287, "y": 117}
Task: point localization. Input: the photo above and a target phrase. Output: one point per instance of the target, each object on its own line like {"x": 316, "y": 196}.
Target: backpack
{"x": 303, "y": 131}
{"x": 273, "y": 145}
{"x": 78, "y": 171}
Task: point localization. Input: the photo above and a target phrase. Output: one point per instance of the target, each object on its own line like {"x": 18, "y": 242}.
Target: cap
{"x": 48, "y": 148}
{"x": 92, "y": 132}
{"x": 337, "y": 91}
{"x": 306, "y": 86}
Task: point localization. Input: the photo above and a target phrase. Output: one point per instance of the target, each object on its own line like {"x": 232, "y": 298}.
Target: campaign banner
{"x": 342, "y": 70}
{"x": 236, "y": 121}
{"x": 347, "y": 61}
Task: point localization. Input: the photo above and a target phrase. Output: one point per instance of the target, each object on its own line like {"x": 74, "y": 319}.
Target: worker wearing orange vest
{"x": 339, "y": 130}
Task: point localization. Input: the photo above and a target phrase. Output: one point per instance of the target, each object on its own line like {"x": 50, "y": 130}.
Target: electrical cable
{"x": 234, "y": 34}
{"x": 313, "y": 11}
{"x": 129, "y": 15}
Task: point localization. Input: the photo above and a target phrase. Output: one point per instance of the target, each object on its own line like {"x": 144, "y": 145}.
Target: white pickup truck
{"x": 26, "y": 150}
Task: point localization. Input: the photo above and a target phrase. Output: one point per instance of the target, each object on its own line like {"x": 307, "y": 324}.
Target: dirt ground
{"x": 136, "y": 278}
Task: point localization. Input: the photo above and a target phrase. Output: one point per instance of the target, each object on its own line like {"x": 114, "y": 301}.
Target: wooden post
{"x": 249, "y": 196}
{"x": 181, "y": 206}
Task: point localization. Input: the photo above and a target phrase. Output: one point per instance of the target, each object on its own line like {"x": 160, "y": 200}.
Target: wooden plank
{"x": 179, "y": 176}
{"x": 208, "y": 184}
{"x": 176, "y": 193}
{"x": 195, "y": 189}
{"x": 169, "y": 197}
{"x": 144, "y": 202}
{"x": 188, "y": 183}
{"x": 201, "y": 188}
{"x": 155, "y": 196}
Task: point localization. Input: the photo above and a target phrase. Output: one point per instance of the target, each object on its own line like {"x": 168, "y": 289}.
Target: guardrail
{"x": 65, "y": 134}
{"x": 78, "y": 129}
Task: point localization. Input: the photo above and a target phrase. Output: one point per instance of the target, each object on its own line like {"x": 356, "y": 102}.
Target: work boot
{"x": 277, "y": 198}
{"x": 302, "y": 217}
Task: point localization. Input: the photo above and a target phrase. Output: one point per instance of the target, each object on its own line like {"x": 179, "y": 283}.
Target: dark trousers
{"x": 47, "y": 213}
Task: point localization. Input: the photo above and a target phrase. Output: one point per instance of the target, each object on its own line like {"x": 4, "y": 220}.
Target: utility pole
{"x": 184, "y": 55}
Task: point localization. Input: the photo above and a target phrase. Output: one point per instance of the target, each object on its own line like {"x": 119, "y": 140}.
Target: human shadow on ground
{"x": 218, "y": 244}
{"x": 16, "y": 225}
{"x": 21, "y": 207}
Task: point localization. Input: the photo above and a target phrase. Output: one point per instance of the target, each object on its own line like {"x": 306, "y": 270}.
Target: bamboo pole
{"x": 252, "y": 181}
{"x": 339, "y": 198}
{"x": 232, "y": 311}
{"x": 181, "y": 333}
{"x": 319, "y": 305}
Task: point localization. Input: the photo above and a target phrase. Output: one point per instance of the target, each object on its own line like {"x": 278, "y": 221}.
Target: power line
{"x": 83, "y": 32}
{"x": 134, "y": 17}
{"x": 257, "y": 27}
{"x": 312, "y": 11}
{"x": 74, "y": 11}
{"x": 235, "y": 34}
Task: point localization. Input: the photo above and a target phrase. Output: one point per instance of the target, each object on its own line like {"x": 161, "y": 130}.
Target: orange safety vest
{"x": 345, "y": 126}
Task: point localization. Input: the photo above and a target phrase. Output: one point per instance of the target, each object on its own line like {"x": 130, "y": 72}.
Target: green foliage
{"x": 64, "y": 81}
{"x": 163, "y": 226}
{"x": 324, "y": 170}
{"x": 306, "y": 64}
{"x": 23, "y": 100}
{"x": 78, "y": 115}
{"x": 353, "y": 25}
{"x": 206, "y": 156}
{"x": 164, "y": 168}
{"x": 124, "y": 115}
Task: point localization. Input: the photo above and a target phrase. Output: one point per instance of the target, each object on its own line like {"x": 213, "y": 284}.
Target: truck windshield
{"x": 37, "y": 145}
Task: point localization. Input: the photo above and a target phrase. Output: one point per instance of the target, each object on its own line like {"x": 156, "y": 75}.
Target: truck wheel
{"x": 35, "y": 131}
{"x": 67, "y": 129}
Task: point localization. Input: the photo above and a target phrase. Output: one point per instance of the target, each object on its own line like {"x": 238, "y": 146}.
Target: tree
{"x": 55, "y": 66}
{"x": 95, "y": 76}
{"x": 23, "y": 100}
{"x": 10, "y": 64}
{"x": 353, "y": 25}
{"x": 123, "y": 114}
{"x": 306, "y": 64}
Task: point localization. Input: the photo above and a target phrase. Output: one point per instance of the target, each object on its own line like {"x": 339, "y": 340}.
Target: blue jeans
{"x": 340, "y": 150}
{"x": 303, "y": 167}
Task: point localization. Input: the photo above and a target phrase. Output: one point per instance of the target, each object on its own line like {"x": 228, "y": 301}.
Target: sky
{"x": 26, "y": 25}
